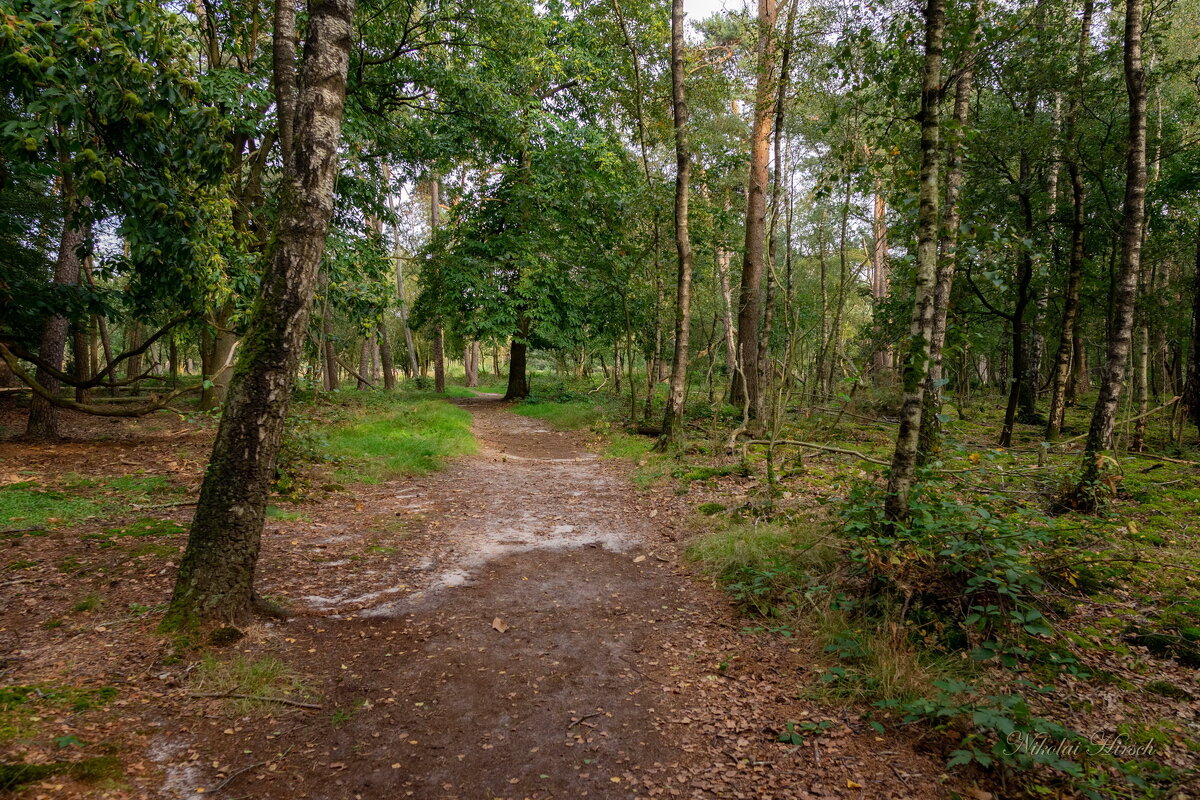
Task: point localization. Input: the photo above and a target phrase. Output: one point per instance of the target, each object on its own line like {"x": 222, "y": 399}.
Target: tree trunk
{"x": 216, "y": 360}
{"x": 518, "y": 380}
{"x": 1125, "y": 288}
{"x": 364, "y": 364}
{"x": 43, "y": 417}
{"x": 216, "y": 573}
{"x": 329, "y": 353}
{"x": 916, "y": 367}
{"x": 745, "y": 380}
{"x": 930, "y": 438}
{"x": 881, "y": 359}
{"x": 471, "y": 357}
{"x": 439, "y": 333}
{"x": 385, "y": 357}
{"x": 1191, "y": 392}
{"x": 672, "y": 428}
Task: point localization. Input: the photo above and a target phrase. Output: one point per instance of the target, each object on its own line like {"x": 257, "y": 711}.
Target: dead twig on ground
{"x": 260, "y": 698}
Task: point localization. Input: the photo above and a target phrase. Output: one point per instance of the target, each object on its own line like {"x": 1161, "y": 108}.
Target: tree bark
{"x": 216, "y": 360}
{"x": 916, "y": 366}
{"x": 930, "y": 438}
{"x": 745, "y": 380}
{"x": 518, "y": 380}
{"x": 1125, "y": 287}
{"x": 439, "y": 333}
{"x": 471, "y": 363}
{"x": 881, "y": 359}
{"x": 385, "y": 357}
{"x": 43, "y": 416}
{"x": 672, "y": 428}
{"x": 1069, "y": 343}
{"x": 216, "y": 573}
{"x": 1191, "y": 392}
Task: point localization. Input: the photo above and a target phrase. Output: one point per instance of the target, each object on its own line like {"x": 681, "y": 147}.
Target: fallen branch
{"x": 827, "y": 448}
{"x": 260, "y": 698}
{"x": 156, "y": 404}
{"x": 585, "y": 717}
{"x": 342, "y": 364}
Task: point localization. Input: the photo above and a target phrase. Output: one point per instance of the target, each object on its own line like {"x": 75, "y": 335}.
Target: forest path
{"x": 537, "y": 637}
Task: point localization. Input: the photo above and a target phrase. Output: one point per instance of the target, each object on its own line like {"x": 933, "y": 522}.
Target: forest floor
{"x": 520, "y": 624}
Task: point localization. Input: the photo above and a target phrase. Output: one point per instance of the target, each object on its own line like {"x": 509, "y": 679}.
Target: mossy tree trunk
{"x": 216, "y": 574}
{"x": 916, "y": 366}
{"x": 1104, "y": 415}
{"x": 672, "y": 430}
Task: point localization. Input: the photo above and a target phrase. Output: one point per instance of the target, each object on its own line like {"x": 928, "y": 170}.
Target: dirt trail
{"x": 616, "y": 674}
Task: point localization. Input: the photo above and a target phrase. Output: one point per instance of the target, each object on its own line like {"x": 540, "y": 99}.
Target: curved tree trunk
{"x": 216, "y": 573}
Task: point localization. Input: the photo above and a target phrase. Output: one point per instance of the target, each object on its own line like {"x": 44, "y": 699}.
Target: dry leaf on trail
{"x": 639, "y": 559}
{"x": 499, "y": 625}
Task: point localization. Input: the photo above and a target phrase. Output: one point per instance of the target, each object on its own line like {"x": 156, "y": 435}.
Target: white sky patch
{"x": 700, "y": 9}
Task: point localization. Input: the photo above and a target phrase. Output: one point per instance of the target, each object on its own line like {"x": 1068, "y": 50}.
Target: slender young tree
{"x": 672, "y": 430}
{"x": 916, "y": 365}
{"x": 931, "y": 433}
{"x": 1104, "y": 415}
{"x": 1191, "y": 394}
{"x": 1070, "y": 315}
{"x": 216, "y": 573}
{"x": 745, "y": 387}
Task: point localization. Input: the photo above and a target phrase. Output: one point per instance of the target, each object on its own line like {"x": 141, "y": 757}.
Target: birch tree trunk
{"x": 930, "y": 439}
{"x": 916, "y": 366}
{"x": 1070, "y": 320}
{"x": 1125, "y": 288}
{"x": 216, "y": 574}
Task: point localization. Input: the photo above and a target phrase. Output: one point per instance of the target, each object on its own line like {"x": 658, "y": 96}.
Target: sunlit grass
{"x": 405, "y": 436}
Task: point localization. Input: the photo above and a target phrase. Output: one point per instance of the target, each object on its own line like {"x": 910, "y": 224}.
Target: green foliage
{"x": 770, "y": 570}
{"x": 101, "y": 98}
{"x": 563, "y": 415}
{"x": 967, "y": 563}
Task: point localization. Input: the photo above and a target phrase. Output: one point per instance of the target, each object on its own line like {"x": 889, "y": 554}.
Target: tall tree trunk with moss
{"x": 1125, "y": 288}
{"x": 672, "y": 429}
{"x": 216, "y": 574}
{"x": 916, "y": 365}
{"x": 43, "y": 416}
{"x": 745, "y": 388}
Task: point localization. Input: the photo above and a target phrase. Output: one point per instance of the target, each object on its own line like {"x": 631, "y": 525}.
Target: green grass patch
{"x": 91, "y": 770}
{"x": 141, "y": 528}
{"x": 569, "y": 416}
{"x": 404, "y": 437}
{"x": 22, "y": 707}
{"x": 255, "y": 678}
{"x": 32, "y": 505}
